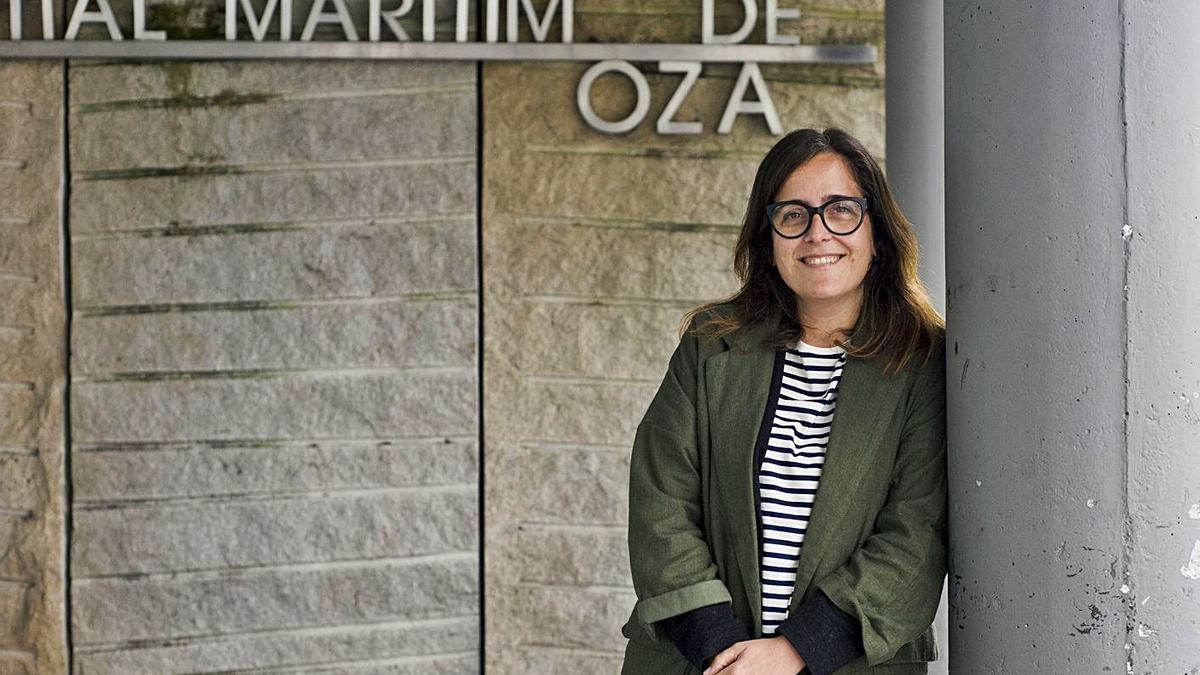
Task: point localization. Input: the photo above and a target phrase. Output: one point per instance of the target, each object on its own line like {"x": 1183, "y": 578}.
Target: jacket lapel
{"x": 865, "y": 406}
{"x": 738, "y": 383}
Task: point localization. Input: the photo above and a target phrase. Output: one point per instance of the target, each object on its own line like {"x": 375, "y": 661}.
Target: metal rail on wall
{"x": 435, "y": 51}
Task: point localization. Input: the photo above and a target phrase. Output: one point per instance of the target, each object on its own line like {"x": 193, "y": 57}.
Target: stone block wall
{"x": 32, "y": 371}
{"x": 274, "y": 370}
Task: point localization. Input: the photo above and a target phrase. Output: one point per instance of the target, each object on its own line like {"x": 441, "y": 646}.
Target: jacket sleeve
{"x": 701, "y": 634}
{"x": 670, "y": 561}
{"x": 892, "y": 583}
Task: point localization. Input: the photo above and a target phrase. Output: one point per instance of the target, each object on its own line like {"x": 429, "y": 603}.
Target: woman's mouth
{"x": 821, "y": 260}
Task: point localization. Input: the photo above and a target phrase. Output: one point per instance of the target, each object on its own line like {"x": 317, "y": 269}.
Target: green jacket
{"x": 876, "y": 540}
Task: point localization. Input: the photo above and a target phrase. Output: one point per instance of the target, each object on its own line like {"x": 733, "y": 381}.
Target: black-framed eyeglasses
{"x": 842, "y": 215}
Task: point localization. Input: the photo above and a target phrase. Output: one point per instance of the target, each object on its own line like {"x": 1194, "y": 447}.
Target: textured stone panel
{"x": 549, "y": 659}
{"x": 577, "y": 338}
{"x": 584, "y": 186}
{"x": 570, "y": 615}
{"x": 19, "y": 426}
{"x": 158, "y": 471}
{"x": 288, "y": 128}
{"x": 129, "y": 539}
{"x": 573, "y": 554}
{"x": 275, "y": 399}
{"x": 638, "y": 263}
{"x": 201, "y": 84}
{"x": 32, "y": 369}
{"x": 214, "y": 605}
{"x": 594, "y": 247}
{"x": 354, "y": 405}
{"x": 584, "y": 411}
{"x": 272, "y": 195}
{"x": 590, "y": 486}
{"x": 392, "y": 333}
{"x": 418, "y": 646}
{"x": 332, "y": 263}
{"x": 21, "y": 481}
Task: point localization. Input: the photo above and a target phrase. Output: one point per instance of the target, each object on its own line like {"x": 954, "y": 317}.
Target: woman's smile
{"x": 822, "y": 260}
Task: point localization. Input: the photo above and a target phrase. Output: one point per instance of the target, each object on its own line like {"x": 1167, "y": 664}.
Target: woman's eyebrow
{"x": 825, "y": 198}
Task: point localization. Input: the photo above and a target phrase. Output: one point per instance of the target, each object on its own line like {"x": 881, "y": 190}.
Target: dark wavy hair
{"x": 897, "y": 319}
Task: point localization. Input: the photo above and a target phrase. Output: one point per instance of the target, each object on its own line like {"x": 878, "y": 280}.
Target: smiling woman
{"x": 768, "y": 534}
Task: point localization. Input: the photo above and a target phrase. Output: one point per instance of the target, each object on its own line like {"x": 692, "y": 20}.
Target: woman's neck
{"x": 824, "y": 326}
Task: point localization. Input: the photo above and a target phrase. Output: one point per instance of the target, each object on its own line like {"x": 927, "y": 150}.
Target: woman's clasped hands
{"x": 765, "y": 656}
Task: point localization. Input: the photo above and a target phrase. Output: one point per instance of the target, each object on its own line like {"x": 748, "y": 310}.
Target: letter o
{"x": 584, "y": 92}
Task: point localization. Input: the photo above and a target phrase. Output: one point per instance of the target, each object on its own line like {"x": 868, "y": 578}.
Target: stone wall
{"x": 274, "y": 374}
{"x": 32, "y": 370}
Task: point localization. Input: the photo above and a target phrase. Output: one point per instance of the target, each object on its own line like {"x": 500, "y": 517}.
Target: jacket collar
{"x": 738, "y": 382}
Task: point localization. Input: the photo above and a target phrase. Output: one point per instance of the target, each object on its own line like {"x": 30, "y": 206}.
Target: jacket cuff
{"x": 676, "y": 602}
{"x": 825, "y": 637}
{"x": 702, "y": 633}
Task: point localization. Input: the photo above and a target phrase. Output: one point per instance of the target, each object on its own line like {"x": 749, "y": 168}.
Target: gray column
{"x": 916, "y": 143}
{"x": 1072, "y": 264}
{"x": 916, "y": 159}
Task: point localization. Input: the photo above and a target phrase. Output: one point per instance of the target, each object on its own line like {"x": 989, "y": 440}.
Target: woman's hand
{"x": 765, "y": 656}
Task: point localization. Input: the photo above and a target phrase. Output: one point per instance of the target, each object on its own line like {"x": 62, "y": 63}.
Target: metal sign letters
{"x": 247, "y": 36}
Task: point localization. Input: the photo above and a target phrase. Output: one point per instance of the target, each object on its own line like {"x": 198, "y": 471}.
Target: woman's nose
{"x": 817, "y": 230}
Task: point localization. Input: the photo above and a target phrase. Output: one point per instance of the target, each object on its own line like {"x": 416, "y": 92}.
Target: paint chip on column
{"x": 1192, "y": 569}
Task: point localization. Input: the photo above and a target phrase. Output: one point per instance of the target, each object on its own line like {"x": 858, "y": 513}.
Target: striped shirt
{"x": 805, "y": 398}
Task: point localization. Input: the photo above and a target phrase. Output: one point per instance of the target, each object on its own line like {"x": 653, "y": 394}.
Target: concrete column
{"x": 916, "y": 149}
{"x": 1074, "y": 404}
{"x": 916, "y": 144}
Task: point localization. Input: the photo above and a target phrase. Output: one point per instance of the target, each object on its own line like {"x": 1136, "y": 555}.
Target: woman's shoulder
{"x": 719, "y": 327}
{"x": 923, "y": 361}
{"x": 928, "y": 365}
{"x": 709, "y": 314}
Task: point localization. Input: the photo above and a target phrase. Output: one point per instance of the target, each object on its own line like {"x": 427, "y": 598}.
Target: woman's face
{"x": 828, "y": 287}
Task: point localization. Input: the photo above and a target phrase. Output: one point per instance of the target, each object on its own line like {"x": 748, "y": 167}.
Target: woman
{"x": 787, "y": 489}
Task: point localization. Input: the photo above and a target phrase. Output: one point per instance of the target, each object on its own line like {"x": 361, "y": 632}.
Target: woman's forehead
{"x": 820, "y": 178}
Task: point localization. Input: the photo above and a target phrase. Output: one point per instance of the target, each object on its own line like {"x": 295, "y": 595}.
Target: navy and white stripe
{"x": 791, "y": 468}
